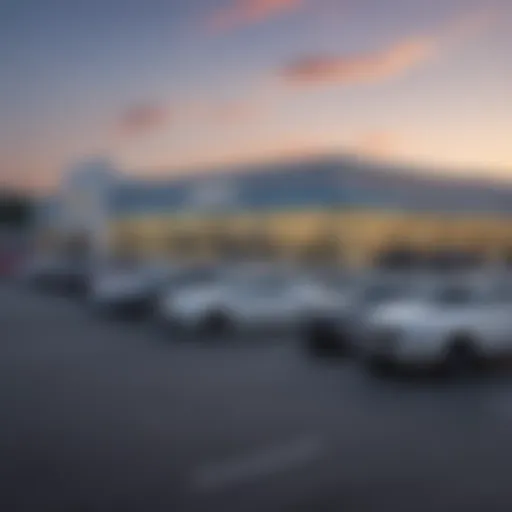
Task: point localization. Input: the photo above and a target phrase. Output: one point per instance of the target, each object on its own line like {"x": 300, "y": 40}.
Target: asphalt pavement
{"x": 103, "y": 415}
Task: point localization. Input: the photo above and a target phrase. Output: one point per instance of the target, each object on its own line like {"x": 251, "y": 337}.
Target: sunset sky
{"x": 166, "y": 86}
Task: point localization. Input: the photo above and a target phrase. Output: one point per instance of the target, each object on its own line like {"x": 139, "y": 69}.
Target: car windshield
{"x": 266, "y": 284}
{"x": 156, "y": 271}
{"x": 380, "y": 292}
{"x": 193, "y": 277}
{"x": 458, "y": 295}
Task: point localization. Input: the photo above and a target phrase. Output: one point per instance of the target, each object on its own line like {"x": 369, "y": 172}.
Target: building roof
{"x": 312, "y": 183}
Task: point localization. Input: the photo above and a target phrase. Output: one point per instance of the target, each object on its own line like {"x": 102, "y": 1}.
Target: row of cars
{"x": 388, "y": 320}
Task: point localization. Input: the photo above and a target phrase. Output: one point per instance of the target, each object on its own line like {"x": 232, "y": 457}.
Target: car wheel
{"x": 321, "y": 341}
{"x": 462, "y": 357}
{"x": 216, "y": 324}
{"x": 137, "y": 311}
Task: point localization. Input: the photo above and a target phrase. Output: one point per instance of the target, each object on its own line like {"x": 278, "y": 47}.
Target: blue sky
{"x": 169, "y": 86}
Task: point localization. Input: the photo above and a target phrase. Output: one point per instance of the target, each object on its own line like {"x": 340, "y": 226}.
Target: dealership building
{"x": 335, "y": 209}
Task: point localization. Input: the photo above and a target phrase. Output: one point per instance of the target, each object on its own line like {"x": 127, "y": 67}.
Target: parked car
{"x": 56, "y": 274}
{"x": 337, "y": 330}
{"x": 247, "y": 300}
{"x": 454, "y": 325}
{"x": 137, "y": 291}
{"x": 35, "y": 270}
{"x": 129, "y": 289}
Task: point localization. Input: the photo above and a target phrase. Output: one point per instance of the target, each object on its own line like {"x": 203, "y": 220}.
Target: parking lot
{"x": 107, "y": 415}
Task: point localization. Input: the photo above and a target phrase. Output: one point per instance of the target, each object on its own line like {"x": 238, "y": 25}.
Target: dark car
{"x": 57, "y": 275}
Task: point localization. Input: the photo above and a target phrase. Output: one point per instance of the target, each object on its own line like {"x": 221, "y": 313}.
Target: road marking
{"x": 259, "y": 464}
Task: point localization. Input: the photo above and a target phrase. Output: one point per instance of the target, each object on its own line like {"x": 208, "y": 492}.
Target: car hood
{"x": 196, "y": 296}
{"x": 401, "y": 313}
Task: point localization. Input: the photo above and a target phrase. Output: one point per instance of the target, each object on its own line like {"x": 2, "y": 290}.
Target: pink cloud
{"x": 369, "y": 67}
{"x": 144, "y": 118}
{"x": 248, "y": 12}
{"x": 390, "y": 61}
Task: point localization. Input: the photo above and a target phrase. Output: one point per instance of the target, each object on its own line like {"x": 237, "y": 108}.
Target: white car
{"x": 248, "y": 301}
{"x": 455, "y": 325}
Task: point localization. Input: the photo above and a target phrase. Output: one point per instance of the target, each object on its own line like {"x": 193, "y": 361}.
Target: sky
{"x": 165, "y": 87}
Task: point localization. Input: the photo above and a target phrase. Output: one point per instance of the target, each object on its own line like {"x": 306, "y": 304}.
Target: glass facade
{"x": 323, "y": 209}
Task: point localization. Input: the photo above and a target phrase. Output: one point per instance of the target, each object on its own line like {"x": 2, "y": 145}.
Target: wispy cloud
{"x": 143, "y": 119}
{"x": 387, "y": 62}
{"x": 360, "y": 68}
{"x": 151, "y": 118}
{"x": 247, "y": 12}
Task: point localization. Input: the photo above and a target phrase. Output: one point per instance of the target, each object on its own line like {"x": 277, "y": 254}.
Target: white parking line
{"x": 259, "y": 464}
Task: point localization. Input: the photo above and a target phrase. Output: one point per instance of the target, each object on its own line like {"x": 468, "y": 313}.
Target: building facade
{"x": 328, "y": 209}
